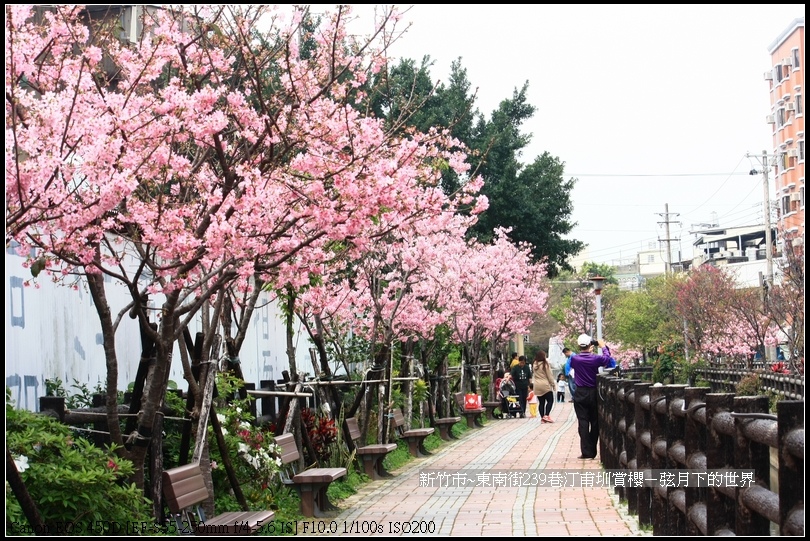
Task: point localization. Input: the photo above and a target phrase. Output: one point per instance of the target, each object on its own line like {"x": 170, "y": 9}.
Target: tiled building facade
{"x": 787, "y": 120}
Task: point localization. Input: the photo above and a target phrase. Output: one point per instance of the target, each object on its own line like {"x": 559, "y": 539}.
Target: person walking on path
{"x": 585, "y": 365}
{"x": 568, "y": 375}
{"x": 561, "y": 386}
{"x": 532, "y": 401}
{"x": 522, "y": 375}
{"x": 543, "y": 379}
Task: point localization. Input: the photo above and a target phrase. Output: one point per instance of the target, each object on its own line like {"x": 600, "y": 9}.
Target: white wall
{"x": 53, "y": 331}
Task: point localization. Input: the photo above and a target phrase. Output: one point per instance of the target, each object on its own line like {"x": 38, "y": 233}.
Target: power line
{"x": 653, "y": 175}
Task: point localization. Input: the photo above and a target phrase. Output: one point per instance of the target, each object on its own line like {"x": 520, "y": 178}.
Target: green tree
{"x": 590, "y": 269}
{"x": 406, "y": 97}
{"x": 533, "y": 200}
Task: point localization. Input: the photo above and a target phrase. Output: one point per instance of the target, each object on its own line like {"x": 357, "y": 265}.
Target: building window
{"x": 780, "y": 117}
{"x": 795, "y": 55}
{"x": 800, "y": 147}
{"x": 797, "y": 104}
{"x": 785, "y": 204}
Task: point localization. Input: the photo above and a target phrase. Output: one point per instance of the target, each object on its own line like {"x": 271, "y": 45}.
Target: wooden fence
{"x": 678, "y": 431}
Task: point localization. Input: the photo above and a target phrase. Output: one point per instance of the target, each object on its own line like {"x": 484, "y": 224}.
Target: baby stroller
{"x": 510, "y": 403}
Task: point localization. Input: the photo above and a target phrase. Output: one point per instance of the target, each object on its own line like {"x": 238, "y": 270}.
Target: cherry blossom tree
{"x": 785, "y": 303}
{"x": 493, "y": 291}
{"x": 211, "y": 151}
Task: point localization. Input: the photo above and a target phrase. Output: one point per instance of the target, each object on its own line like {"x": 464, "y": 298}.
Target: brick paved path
{"x": 524, "y": 445}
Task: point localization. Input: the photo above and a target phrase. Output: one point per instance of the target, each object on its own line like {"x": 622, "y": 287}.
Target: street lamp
{"x": 597, "y": 282}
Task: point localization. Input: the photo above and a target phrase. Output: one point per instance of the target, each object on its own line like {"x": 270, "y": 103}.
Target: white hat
{"x": 583, "y": 340}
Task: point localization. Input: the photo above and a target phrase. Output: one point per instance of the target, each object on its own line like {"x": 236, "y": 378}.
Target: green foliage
{"x": 420, "y": 391}
{"x": 69, "y": 478}
{"x": 687, "y": 371}
{"x": 590, "y": 268}
{"x": 252, "y": 450}
{"x": 54, "y": 387}
{"x": 749, "y": 385}
{"x": 397, "y": 458}
{"x": 484, "y": 388}
{"x": 664, "y": 365}
{"x": 346, "y": 486}
{"x": 82, "y": 398}
{"x": 533, "y": 200}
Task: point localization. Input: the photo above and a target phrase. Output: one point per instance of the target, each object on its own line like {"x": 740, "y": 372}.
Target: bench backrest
{"x": 289, "y": 450}
{"x": 354, "y": 430}
{"x": 184, "y": 487}
{"x": 399, "y": 420}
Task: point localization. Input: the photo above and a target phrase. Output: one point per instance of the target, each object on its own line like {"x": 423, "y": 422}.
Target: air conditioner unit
{"x": 768, "y": 76}
{"x": 792, "y": 153}
{"x": 790, "y": 106}
{"x": 770, "y": 119}
{"x": 795, "y": 197}
{"x": 787, "y": 62}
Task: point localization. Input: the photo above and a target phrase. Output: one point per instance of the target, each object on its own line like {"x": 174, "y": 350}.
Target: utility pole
{"x": 668, "y": 239}
{"x": 768, "y": 240}
{"x": 766, "y": 201}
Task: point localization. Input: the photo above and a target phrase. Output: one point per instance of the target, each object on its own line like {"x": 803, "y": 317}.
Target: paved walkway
{"x": 526, "y": 446}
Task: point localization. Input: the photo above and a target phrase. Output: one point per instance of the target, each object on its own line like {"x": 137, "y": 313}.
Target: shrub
{"x": 749, "y": 385}
{"x": 252, "y": 450}
{"x": 70, "y": 479}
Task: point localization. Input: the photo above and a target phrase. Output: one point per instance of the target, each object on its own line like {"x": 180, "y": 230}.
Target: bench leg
{"x": 368, "y": 466}
{"x": 373, "y": 467}
{"x": 307, "y": 501}
{"x": 314, "y": 500}
{"x": 380, "y": 469}
{"x": 470, "y": 420}
{"x": 323, "y": 500}
{"x": 477, "y": 421}
{"x": 444, "y": 432}
{"x": 416, "y": 447}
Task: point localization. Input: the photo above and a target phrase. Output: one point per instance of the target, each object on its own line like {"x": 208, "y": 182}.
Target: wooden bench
{"x": 371, "y": 455}
{"x": 414, "y": 436}
{"x": 184, "y": 490}
{"x": 490, "y": 407}
{"x": 473, "y": 416}
{"x": 310, "y": 484}
{"x": 445, "y": 425}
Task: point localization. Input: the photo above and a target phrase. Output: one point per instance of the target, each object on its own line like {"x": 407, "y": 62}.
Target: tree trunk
{"x": 95, "y": 284}
{"x": 18, "y": 488}
{"x": 288, "y": 324}
{"x": 155, "y": 388}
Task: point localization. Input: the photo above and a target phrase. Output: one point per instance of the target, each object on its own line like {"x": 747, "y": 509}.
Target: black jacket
{"x": 522, "y": 376}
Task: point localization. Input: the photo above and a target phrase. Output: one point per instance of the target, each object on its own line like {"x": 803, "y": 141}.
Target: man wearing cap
{"x": 586, "y": 365}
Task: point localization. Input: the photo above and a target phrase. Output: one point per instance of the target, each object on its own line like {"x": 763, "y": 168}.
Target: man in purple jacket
{"x": 586, "y": 366}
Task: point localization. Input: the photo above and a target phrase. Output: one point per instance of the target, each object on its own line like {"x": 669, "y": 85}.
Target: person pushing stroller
{"x": 510, "y": 405}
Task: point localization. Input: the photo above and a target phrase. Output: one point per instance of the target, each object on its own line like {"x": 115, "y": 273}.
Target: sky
{"x": 648, "y": 105}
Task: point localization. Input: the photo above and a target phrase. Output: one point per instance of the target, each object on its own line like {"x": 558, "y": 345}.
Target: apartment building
{"x": 787, "y": 121}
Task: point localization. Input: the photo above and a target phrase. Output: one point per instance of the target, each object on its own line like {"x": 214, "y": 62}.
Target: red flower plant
{"x": 780, "y": 368}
